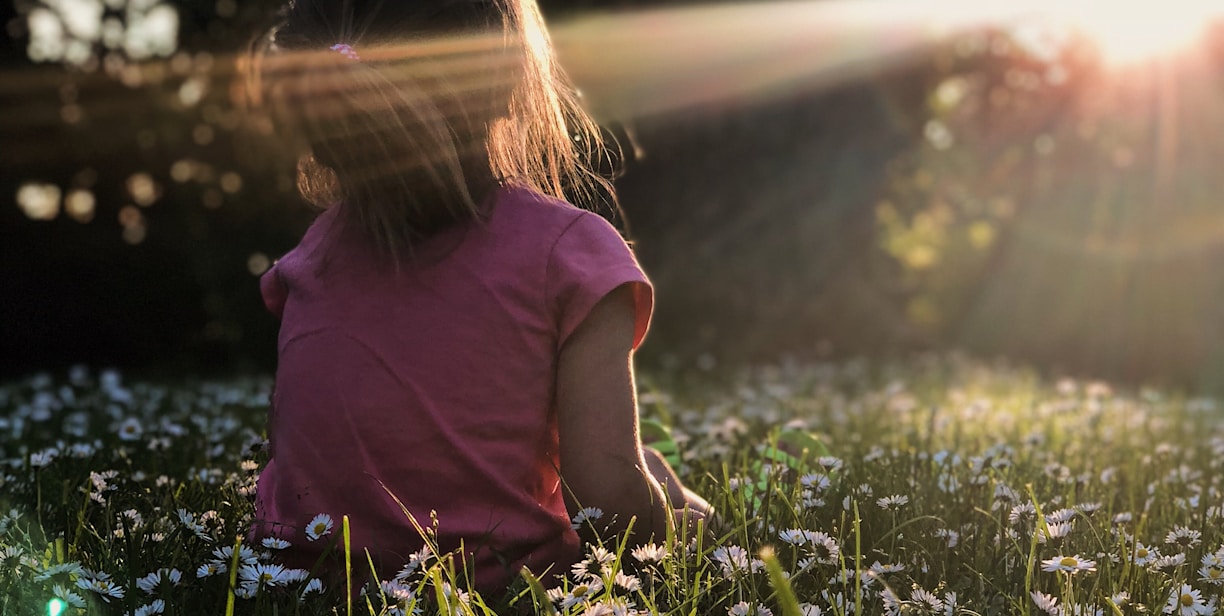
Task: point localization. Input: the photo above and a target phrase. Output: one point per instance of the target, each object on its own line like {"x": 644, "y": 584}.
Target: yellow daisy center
{"x": 1141, "y": 553}
{"x": 1069, "y": 561}
{"x": 1187, "y": 599}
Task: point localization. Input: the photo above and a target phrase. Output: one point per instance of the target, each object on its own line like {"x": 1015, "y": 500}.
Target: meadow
{"x": 952, "y": 486}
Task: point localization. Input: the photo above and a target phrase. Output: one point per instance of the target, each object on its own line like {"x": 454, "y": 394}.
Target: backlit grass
{"x": 954, "y": 487}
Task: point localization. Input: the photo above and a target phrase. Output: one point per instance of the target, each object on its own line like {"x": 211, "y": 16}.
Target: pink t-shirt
{"x": 436, "y": 384}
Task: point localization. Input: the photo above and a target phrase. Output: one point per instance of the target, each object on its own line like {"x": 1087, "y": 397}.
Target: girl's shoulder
{"x": 535, "y": 213}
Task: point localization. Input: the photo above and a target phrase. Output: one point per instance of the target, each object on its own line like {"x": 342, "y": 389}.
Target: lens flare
{"x": 1131, "y": 32}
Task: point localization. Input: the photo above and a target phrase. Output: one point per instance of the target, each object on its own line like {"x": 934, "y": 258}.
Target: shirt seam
{"x": 548, "y": 271}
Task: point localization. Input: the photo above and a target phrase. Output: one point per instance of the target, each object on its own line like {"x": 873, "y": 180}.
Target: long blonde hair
{"x": 422, "y": 106}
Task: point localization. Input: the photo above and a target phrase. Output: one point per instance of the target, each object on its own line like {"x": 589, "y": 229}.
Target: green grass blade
{"x": 781, "y": 585}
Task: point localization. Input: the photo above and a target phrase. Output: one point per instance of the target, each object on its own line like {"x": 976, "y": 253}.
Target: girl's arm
{"x": 602, "y": 464}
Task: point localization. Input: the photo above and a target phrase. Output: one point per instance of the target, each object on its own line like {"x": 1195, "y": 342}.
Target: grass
{"x": 955, "y": 487}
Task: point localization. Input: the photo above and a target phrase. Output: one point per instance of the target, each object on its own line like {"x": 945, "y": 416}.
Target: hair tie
{"x": 346, "y": 50}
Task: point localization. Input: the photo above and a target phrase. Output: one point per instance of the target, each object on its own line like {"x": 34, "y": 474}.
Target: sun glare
{"x": 1129, "y": 32}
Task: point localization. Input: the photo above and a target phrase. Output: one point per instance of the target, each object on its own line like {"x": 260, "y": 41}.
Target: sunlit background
{"x": 815, "y": 178}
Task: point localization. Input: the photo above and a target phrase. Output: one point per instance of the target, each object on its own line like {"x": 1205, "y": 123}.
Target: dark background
{"x": 802, "y": 224}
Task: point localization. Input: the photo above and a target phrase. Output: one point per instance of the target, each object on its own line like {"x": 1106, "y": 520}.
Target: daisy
{"x": 393, "y": 590}
{"x": 1211, "y": 575}
{"x": 1021, "y": 513}
{"x": 67, "y": 596}
{"x": 734, "y": 561}
{"x": 1144, "y": 555}
{"x": 225, "y": 554}
{"x": 1059, "y": 515}
{"x": 628, "y": 582}
{"x": 296, "y": 575}
{"x": 1089, "y": 508}
{"x": 210, "y": 568}
{"x": 598, "y": 609}
{"x": 1068, "y": 564}
{"x": 71, "y": 568}
{"x": 815, "y": 481}
{"x": 1046, "y": 603}
{"x": 744, "y": 609}
{"x": 1169, "y": 562}
{"x": 151, "y": 582}
{"x": 319, "y": 526}
{"x": 892, "y": 603}
{"x": 809, "y": 500}
{"x": 130, "y": 429}
{"x": 260, "y": 574}
{"x": 883, "y": 569}
{"x": 1183, "y": 537}
{"x": 949, "y": 603}
{"x": 833, "y": 464}
{"x": 649, "y": 553}
{"x": 823, "y": 547}
{"x": 275, "y": 543}
{"x": 189, "y": 521}
{"x": 894, "y": 502}
{"x": 584, "y": 569}
{"x": 585, "y": 515}
{"x": 42, "y": 458}
{"x": 926, "y": 600}
{"x": 620, "y": 607}
{"x": 1054, "y": 531}
{"x": 1214, "y": 559}
{"x": 158, "y": 606}
{"x": 793, "y": 536}
{"x": 810, "y": 609}
{"x": 1186, "y": 602}
{"x": 593, "y": 565}
{"x": 581, "y": 592}
{"x": 1120, "y": 598}
{"x": 315, "y": 585}
{"x": 102, "y": 587}
{"x": 415, "y": 560}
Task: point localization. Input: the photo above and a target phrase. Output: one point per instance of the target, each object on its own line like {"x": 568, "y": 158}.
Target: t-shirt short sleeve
{"x": 273, "y": 290}
{"x": 588, "y": 261}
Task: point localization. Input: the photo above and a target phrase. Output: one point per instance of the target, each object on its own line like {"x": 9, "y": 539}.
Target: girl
{"x": 453, "y": 331}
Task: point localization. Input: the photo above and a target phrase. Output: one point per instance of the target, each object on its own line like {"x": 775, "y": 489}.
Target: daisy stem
{"x": 348, "y": 567}
{"x": 233, "y": 577}
{"x": 858, "y": 562}
{"x": 1039, "y": 526}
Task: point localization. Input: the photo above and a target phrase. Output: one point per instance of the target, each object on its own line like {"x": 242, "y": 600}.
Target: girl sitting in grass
{"x": 453, "y": 331}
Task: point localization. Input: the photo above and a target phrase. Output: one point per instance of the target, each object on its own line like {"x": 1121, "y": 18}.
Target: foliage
{"x": 956, "y": 487}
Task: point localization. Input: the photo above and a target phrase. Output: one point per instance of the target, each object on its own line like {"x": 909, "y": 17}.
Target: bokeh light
{"x": 74, "y": 31}
{"x": 143, "y": 189}
{"x": 39, "y": 201}
{"x": 258, "y": 263}
{"x": 79, "y": 204}
{"x": 231, "y": 182}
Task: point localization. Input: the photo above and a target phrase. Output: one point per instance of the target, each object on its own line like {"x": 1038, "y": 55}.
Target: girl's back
{"x": 435, "y": 384}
